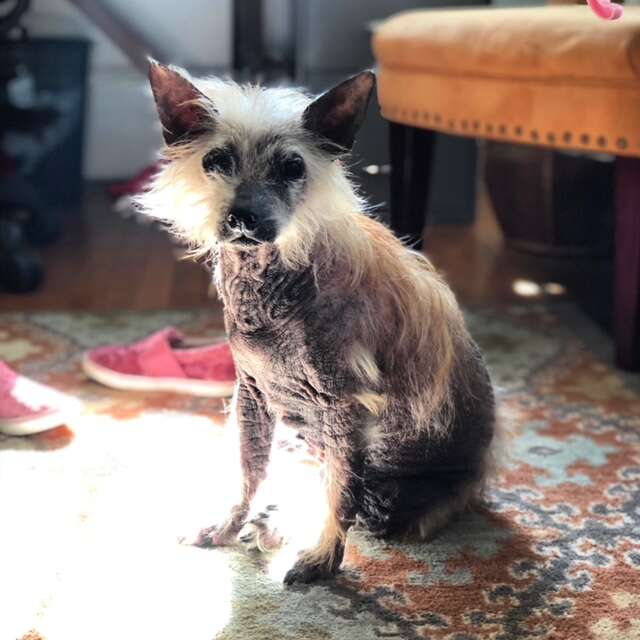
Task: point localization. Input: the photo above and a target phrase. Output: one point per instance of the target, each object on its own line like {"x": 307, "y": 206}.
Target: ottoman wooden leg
{"x": 411, "y": 152}
{"x": 627, "y": 264}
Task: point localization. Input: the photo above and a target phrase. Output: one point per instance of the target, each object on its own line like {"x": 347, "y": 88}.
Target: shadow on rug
{"x": 91, "y": 513}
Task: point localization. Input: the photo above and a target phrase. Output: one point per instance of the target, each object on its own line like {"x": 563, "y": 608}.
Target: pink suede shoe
{"x": 164, "y": 361}
{"x": 28, "y": 407}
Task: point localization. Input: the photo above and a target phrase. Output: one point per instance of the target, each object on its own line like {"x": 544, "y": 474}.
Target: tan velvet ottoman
{"x": 549, "y": 76}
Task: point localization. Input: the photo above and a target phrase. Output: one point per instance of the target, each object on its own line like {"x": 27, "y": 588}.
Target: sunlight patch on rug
{"x": 91, "y": 515}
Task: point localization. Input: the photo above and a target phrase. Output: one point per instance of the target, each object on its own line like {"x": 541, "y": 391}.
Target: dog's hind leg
{"x": 415, "y": 507}
{"x": 429, "y": 523}
{"x": 256, "y": 426}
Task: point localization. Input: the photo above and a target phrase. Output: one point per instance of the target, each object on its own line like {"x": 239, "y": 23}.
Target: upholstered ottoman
{"x": 552, "y": 76}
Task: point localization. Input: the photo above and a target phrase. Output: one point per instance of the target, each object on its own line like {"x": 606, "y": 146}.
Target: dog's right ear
{"x": 181, "y": 106}
{"x": 336, "y": 115}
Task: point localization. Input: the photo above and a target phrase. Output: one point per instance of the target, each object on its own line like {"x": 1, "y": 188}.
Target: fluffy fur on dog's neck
{"x": 411, "y": 320}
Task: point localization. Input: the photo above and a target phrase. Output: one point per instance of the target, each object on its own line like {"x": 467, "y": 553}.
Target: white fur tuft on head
{"x": 192, "y": 203}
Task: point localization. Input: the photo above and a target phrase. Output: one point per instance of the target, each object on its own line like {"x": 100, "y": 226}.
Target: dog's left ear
{"x": 182, "y": 107}
{"x": 336, "y": 115}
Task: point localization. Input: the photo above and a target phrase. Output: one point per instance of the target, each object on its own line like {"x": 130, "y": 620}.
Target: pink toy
{"x": 605, "y": 9}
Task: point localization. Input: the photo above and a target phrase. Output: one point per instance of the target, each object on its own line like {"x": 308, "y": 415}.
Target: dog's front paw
{"x": 307, "y": 569}
{"x": 215, "y": 536}
{"x": 261, "y": 533}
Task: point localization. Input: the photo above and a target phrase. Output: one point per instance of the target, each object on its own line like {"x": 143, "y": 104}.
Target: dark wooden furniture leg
{"x": 627, "y": 264}
{"x": 411, "y": 152}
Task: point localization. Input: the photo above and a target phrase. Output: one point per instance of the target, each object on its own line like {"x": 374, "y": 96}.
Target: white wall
{"x": 278, "y": 27}
{"x": 194, "y": 33}
{"x": 122, "y": 133}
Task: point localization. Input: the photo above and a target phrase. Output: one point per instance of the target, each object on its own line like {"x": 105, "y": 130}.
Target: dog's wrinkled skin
{"x": 336, "y": 328}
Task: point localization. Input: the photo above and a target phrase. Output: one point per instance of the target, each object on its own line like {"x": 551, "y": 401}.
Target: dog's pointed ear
{"x": 181, "y": 106}
{"x": 336, "y": 115}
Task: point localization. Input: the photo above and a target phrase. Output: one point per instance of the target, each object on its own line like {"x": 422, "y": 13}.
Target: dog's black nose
{"x": 241, "y": 218}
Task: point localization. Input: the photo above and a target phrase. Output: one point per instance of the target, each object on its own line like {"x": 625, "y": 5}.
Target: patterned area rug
{"x": 90, "y": 515}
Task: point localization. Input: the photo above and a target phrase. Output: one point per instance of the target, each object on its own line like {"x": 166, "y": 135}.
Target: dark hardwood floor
{"x": 104, "y": 262}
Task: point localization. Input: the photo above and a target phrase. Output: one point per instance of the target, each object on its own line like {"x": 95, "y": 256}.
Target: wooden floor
{"x": 104, "y": 262}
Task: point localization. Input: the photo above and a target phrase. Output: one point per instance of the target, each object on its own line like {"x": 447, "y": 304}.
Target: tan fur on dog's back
{"x": 410, "y": 309}
{"x": 411, "y": 319}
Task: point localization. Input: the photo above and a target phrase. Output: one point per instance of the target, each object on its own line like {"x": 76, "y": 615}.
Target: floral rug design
{"x": 90, "y": 514}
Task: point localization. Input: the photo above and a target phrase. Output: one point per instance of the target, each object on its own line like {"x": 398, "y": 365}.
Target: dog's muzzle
{"x": 246, "y": 222}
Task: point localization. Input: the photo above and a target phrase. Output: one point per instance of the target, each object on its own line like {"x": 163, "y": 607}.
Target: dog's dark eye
{"x": 218, "y": 161}
{"x": 292, "y": 169}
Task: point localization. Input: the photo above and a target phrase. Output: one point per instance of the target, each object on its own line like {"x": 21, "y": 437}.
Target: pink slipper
{"x": 28, "y": 407}
{"x": 164, "y": 361}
